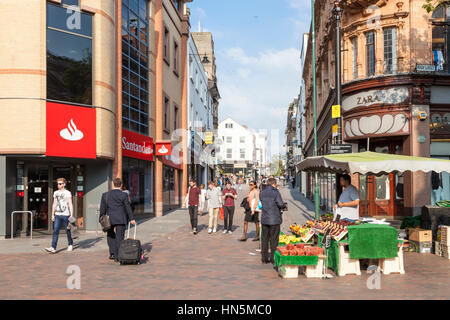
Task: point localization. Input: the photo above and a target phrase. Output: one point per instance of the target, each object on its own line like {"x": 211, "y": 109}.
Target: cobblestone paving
{"x": 181, "y": 265}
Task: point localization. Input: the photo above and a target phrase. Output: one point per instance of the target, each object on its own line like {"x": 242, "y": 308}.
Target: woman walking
{"x": 213, "y": 196}
{"x": 252, "y": 214}
{"x": 203, "y": 201}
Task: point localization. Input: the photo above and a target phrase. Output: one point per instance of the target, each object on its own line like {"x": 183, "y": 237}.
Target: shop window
{"x": 441, "y": 37}
{"x": 69, "y": 56}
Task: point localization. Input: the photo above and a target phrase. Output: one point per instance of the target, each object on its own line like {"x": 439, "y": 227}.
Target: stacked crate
{"x": 445, "y": 241}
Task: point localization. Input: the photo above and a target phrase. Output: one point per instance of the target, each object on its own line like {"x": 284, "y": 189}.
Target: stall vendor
{"x": 348, "y": 204}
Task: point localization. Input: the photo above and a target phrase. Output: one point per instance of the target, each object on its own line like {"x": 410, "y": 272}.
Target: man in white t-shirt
{"x": 348, "y": 204}
{"x": 61, "y": 211}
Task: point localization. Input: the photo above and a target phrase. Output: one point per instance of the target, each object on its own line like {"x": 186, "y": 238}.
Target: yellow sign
{"x": 336, "y": 111}
{"x": 209, "y": 137}
{"x": 334, "y": 130}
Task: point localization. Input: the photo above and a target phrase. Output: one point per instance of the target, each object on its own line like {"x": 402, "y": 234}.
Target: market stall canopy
{"x": 373, "y": 163}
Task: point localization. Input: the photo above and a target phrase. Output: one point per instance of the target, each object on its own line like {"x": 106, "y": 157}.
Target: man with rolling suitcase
{"x": 115, "y": 204}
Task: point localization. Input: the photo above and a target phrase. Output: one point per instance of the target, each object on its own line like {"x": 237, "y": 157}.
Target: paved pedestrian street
{"x": 180, "y": 265}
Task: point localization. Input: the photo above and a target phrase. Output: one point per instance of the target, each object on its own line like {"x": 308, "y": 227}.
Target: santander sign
{"x": 136, "y": 145}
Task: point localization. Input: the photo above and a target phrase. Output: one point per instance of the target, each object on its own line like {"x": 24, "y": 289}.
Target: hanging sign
{"x": 208, "y": 137}
{"x": 336, "y": 111}
{"x": 163, "y": 148}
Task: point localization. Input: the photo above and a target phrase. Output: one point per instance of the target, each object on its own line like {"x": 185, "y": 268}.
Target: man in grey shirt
{"x": 214, "y": 198}
{"x": 348, "y": 204}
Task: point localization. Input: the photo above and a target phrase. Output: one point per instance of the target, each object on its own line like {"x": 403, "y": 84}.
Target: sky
{"x": 257, "y": 46}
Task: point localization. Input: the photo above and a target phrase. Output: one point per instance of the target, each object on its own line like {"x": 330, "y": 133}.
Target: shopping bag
{"x": 221, "y": 213}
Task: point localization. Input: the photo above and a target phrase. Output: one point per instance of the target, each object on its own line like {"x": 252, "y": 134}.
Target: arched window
{"x": 440, "y": 31}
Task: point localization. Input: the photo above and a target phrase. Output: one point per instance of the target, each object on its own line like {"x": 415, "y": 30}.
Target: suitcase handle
{"x": 128, "y": 233}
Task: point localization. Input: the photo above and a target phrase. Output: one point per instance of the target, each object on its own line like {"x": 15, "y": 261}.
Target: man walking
{"x": 194, "y": 203}
{"x": 61, "y": 211}
{"x": 271, "y": 219}
{"x": 115, "y": 203}
{"x": 229, "y": 195}
{"x": 213, "y": 196}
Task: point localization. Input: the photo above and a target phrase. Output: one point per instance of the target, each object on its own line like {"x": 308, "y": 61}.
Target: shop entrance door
{"x": 382, "y": 195}
{"x": 37, "y": 178}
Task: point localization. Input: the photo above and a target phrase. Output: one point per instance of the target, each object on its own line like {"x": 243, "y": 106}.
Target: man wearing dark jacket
{"x": 115, "y": 203}
{"x": 270, "y": 219}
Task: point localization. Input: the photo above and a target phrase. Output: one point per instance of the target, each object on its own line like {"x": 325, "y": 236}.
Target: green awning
{"x": 372, "y": 163}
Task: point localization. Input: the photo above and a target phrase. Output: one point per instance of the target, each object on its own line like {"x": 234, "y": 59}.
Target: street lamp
{"x": 205, "y": 57}
{"x": 337, "y": 11}
{"x": 313, "y": 41}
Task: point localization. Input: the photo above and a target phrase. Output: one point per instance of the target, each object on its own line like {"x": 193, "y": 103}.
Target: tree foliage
{"x": 431, "y": 5}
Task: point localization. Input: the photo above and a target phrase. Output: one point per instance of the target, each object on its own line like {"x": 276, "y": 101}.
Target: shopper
{"x": 62, "y": 209}
{"x": 240, "y": 184}
{"x": 194, "y": 202}
{"x": 272, "y": 203}
{"x": 203, "y": 200}
{"x": 214, "y": 199}
{"x": 252, "y": 213}
{"x": 229, "y": 196}
{"x": 116, "y": 205}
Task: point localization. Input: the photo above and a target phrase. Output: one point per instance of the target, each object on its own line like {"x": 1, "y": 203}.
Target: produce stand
{"x": 294, "y": 260}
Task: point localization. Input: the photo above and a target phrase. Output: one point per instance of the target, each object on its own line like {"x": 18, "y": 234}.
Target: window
{"x": 229, "y": 139}
{"x": 229, "y": 153}
{"x": 242, "y": 139}
{"x": 135, "y": 72}
{"x": 71, "y": 2}
{"x": 175, "y": 115}
{"x": 177, "y": 4}
{"x": 69, "y": 57}
{"x": 441, "y": 37}
{"x": 166, "y": 114}
{"x": 229, "y": 125}
{"x": 175, "y": 58}
{"x": 166, "y": 45}
{"x": 370, "y": 53}
{"x": 242, "y": 153}
{"x": 390, "y": 50}
{"x": 355, "y": 57}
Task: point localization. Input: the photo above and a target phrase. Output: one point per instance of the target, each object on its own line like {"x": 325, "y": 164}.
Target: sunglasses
{"x": 60, "y": 183}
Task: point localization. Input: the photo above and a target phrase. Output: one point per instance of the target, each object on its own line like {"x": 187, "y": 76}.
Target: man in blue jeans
{"x": 61, "y": 211}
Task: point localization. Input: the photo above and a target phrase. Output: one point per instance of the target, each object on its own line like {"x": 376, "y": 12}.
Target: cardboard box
{"x": 421, "y": 247}
{"x": 420, "y": 235}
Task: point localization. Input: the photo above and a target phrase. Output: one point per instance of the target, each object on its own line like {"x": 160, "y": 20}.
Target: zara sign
{"x": 394, "y": 95}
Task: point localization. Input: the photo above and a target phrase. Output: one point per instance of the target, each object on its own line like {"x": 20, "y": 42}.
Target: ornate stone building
{"x": 394, "y": 67}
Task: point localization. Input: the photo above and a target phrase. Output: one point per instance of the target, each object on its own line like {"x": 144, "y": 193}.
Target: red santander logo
{"x": 136, "y": 145}
{"x": 71, "y": 131}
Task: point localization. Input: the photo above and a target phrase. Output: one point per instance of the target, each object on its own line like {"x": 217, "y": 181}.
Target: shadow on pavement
{"x": 88, "y": 243}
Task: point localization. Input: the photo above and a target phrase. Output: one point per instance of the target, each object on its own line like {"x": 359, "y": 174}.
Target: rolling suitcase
{"x": 130, "y": 250}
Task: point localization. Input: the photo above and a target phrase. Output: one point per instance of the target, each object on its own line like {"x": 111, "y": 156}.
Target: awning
{"x": 373, "y": 163}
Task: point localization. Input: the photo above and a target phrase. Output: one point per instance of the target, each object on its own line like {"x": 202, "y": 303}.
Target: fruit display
{"x": 299, "y": 230}
{"x": 285, "y": 239}
{"x": 327, "y": 217}
{"x": 299, "y": 250}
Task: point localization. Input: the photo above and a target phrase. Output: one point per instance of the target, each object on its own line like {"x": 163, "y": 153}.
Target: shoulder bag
{"x": 104, "y": 220}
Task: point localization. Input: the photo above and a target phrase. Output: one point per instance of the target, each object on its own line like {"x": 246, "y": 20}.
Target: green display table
{"x": 365, "y": 241}
{"x": 295, "y": 260}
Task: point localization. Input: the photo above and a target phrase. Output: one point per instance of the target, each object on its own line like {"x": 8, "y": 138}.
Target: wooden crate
{"x": 445, "y": 251}
{"x": 420, "y": 235}
{"x": 438, "y": 248}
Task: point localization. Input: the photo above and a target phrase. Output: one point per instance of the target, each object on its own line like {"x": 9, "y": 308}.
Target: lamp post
{"x": 337, "y": 11}
{"x": 313, "y": 41}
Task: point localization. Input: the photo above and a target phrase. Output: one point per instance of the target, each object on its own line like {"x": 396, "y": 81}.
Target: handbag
{"x": 259, "y": 207}
{"x": 221, "y": 213}
{"x": 104, "y": 220}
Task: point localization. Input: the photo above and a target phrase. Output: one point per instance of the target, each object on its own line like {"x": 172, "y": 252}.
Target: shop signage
{"x": 135, "y": 145}
{"x": 425, "y": 68}
{"x": 336, "y": 111}
{"x": 71, "y": 131}
{"x": 340, "y": 148}
{"x": 240, "y": 165}
{"x": 334, "y": 130}
{"x": 385, "y": 96}
{"x": 163, "y": 148}
{"x": 208, "y": 137}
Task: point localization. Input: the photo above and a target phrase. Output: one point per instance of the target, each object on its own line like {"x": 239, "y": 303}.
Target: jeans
{"x": 270, "y": 233}
{"x": 228, "y": 213}
{"x": 64, "y": 220}
{"x": 213, "y": 218}
{"x": 114, "y": 238}
{"x": 193, "y": 212}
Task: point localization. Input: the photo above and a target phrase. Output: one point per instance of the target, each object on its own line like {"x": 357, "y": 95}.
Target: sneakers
{"x": 70, "y": 248}
{"x": 230, "y": 232}
{"x": 214, "y": 230}
{"x": 194, "y": 231}
{"x": 209, "y": 230}
{"x": 225, "y": 231}
{"x": 51, "y": 250}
